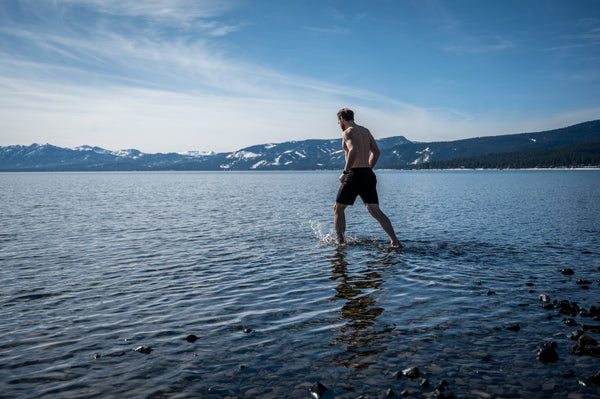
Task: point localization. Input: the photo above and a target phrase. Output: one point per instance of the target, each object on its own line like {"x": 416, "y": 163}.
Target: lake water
{"x": 95, "y": 265}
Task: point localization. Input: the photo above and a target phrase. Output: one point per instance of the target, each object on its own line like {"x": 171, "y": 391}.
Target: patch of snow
{"x": 425, "y": 156}
{"x": 243, "y": 155}
{"x": 198, "y": 153}
{"x": 258, "y": 164}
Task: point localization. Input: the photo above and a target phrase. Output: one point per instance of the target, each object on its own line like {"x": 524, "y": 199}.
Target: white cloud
{"x": 163, "y": 10}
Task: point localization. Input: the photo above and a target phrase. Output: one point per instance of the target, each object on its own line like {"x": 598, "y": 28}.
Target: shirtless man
{"x": 358, "y": 177}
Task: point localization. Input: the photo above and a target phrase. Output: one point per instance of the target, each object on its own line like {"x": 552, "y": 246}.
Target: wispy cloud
{"x": 589, "y": 36}
{"x": 480, "y": 45}
{"x": 335, "y": 30}
{"x": 174, "y": 11}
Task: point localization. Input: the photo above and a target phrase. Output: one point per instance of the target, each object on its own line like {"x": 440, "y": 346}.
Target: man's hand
{"x": 343, "y": 178}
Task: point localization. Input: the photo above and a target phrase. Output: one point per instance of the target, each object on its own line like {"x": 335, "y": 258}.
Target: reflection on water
{"x": 359, "y": 292}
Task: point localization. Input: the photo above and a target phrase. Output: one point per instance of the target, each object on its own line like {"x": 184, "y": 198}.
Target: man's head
{"x": 345, "y": 115}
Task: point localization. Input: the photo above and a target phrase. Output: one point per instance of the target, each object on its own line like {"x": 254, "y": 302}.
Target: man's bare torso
{"x": 361, "y": 139}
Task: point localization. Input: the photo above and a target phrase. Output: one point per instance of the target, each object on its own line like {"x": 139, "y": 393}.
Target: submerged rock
{"x": 191, "y": 338}
{"x": 567, "y": 272}
{"x": 544, "y": 298}
{"x": 570, "y": 322}
{"x": 317, "y": 390}
{"x": 586, "y": 340}
{"x": 143, "y": 349}
{"x": 595, "y": 379}
{"x": 591, "y": 328}
{"x": 411, "y": 372}
{"x": 575, "y": 335}
{"x": 568, "y": 308}
{"x": 568, "y": 374}
{"x": 514, "y": 327}
{"x": 580, "y": 350}
{"x": 547, "y": 354}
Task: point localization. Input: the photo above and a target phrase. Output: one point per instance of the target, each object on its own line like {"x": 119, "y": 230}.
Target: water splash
{"x": 330, "y": 237}
{"x": 324, "y": 238}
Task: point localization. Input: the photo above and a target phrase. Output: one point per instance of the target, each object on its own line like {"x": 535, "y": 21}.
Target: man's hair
{"x": 346, "y": 114}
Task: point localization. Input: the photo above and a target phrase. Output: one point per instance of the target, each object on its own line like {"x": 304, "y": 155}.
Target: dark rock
{"x": 97, "y": 356}
{"x": 443, "y": 395}
{"x": 568, "y": 308}
{"x": 389, "y": 393}
{"x": 570, "y": 322}
{"x": 317, "y": 390}
{"x": 529, "y": 284}
{"x": 567, "y": 272}
{"x": 405, "y": 393}
{"x": 594, "y": 311}
{"x": 491, "y": 292}
{"x": 544, "y": 298}
{"x": 398, "y": 375}
{"x": 144, "y": 349}
{"x": 411, "y": 372}
{"x": 580, "y": 350}
{"x": 586, "y": 340}
{"x": 547, "y": 354}
{"x": 514, "y": 327}
{"x": 424, "y": 383}
{"x": 591, "y": 328}
{"x": 487, "y": 358}
{"x": 575, "y": 335}
{"x": 595, "y": 379}
{"x": 584, "y": 287}
{"x": 247, "y": 330}
{"x": 442, "y": 386}
{"x": 242, "y": 367}
{"x": 191, "y": 338}
{"x": 582, "y": 282}
{"x": 568, "y": 374}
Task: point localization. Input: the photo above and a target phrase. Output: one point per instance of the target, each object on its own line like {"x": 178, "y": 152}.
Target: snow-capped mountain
{"x": 396, "y": 153}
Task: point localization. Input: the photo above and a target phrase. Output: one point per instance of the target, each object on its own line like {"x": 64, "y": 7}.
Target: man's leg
{"x": 339, "y": 219}
{"x": 384, "y": 221}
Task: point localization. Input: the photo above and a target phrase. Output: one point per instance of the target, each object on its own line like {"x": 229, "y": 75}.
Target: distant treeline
{"x": 569, "y": 156}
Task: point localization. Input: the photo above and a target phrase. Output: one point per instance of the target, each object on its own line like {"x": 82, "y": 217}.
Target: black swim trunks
{"x": 360, "y": 181}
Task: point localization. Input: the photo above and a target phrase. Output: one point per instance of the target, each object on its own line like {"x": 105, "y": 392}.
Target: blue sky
{"x": 204, "y": 75}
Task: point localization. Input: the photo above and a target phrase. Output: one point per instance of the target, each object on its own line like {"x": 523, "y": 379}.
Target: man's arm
{"x": 374, "y": 151}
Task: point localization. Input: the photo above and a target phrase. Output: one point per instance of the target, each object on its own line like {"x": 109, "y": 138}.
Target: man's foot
{"x": 395, "y": 244}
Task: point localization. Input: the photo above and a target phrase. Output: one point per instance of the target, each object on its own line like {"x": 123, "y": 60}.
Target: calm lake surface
{"x": 95, "y": 265}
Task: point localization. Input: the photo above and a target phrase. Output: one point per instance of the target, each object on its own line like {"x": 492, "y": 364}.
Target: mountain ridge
{"x": 314, "y": 154}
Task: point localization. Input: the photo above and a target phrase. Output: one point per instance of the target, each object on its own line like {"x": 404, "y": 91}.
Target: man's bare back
{"x": 360, "y": 139}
